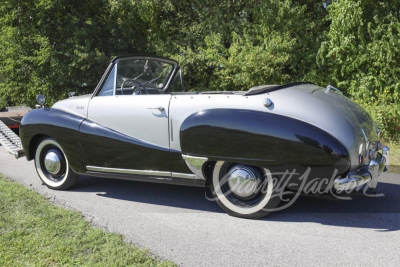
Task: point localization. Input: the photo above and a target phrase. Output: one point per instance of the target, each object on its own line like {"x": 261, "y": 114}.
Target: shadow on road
{"x": 192, "y": 198}
{"x": 382, "y": 213}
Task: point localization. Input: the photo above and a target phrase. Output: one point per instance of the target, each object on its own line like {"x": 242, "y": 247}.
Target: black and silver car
{"x": 140, "y": 124}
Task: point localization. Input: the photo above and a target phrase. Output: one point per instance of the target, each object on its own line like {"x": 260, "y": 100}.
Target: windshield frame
{"x": 175, "y": 68}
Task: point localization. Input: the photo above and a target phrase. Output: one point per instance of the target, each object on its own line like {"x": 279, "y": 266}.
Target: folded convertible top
{"x": 256, "y": 90}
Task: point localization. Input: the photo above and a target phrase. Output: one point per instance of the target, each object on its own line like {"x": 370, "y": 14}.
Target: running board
{"x": 10, "y": 141}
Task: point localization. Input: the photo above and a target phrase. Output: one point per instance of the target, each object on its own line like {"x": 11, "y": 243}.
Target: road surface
{"x": 179, "y": 224}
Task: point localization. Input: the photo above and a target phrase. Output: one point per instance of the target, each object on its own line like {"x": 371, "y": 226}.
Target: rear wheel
{"x": 242, "y": 190}
{"x": 52, "y": 165}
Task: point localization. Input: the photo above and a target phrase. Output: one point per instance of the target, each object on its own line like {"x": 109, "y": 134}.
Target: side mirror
{"x": 41, "y": 99}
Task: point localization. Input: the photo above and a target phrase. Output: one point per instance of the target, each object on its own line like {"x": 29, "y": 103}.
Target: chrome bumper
{"x": 366, "y": 175}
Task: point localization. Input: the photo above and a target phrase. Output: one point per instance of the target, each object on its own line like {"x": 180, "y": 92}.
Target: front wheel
{"x": 242, "y": 190}
{"x": 52, "y": 165}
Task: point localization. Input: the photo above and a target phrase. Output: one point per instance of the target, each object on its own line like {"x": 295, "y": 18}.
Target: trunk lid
{"x": 353, "y": 112}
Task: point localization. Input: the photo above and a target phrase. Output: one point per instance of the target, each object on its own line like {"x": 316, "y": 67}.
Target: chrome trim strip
{"x": 183, "y": 175}
{"x": 128, "y": 171}
{"x": 366, "y": 138}
{"x": 172, "y": 130}
{"x": 102, "y": 80}
{"x": 195, "y": 164}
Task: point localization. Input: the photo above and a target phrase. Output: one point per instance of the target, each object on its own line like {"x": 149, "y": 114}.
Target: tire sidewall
{"x": 260, "y": 210}
{"x": 51, "y": 184}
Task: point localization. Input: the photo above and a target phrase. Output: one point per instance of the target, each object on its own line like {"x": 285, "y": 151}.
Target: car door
{"x": 127, "y": 128}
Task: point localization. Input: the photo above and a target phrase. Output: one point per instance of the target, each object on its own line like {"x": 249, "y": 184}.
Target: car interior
{"x": 144, "y": 76}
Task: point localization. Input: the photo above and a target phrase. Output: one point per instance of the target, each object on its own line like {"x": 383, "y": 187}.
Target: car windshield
{"x": 152, "y": 74}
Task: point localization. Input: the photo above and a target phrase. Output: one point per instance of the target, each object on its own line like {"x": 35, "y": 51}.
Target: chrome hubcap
{"x": 52, "y": 163}
{"x": 244, "y": 181}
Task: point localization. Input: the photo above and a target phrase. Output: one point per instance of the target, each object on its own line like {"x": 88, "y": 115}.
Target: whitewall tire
{"x": 52, "y": 165}
{"x": 242, "y": 190}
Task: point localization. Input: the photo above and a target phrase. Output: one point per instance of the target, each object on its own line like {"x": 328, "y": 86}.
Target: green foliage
{"x": 362, "y": 56}
{"x": 3, "y": 103}
{"x": 232, "y": 45}
{"x": 53, "y": 47}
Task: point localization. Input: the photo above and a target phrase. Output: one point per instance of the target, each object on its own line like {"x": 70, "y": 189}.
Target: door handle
{"x": 159, "y": 108}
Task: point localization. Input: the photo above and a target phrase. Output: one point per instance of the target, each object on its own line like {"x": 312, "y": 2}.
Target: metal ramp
{"x": 10, "y": 141}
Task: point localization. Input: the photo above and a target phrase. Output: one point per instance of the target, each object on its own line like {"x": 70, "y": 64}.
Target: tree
{"x": 362, "y": 56}
{"x": 54, "y": 46}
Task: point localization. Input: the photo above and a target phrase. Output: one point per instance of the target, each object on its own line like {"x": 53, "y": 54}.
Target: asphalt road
{"x": 179, "y": 224}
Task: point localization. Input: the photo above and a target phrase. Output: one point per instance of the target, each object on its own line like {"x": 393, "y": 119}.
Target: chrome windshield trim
{"x": 128, "y": 171}
{"x": 102, "y": 80}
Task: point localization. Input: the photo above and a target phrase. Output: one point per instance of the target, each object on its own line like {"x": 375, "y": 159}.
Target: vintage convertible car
{"x": 139, "y": 124}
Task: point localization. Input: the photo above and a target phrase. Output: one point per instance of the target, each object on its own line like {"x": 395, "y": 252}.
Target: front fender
{"x": 57, "y": 124}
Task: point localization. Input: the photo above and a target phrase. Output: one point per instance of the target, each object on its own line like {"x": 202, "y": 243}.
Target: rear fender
{"x": 263, "y": 139}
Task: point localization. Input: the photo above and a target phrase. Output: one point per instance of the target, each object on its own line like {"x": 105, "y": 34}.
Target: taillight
{"x": 361, "y": 159}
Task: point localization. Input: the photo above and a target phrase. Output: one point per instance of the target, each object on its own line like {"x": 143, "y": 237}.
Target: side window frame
{"x": 177, "y": 72}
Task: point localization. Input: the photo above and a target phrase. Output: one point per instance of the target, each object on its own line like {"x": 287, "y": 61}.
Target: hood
{"x": 77, "y": 105}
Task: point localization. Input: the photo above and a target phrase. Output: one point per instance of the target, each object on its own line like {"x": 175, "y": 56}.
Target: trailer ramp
{"x": 10, "y": 141}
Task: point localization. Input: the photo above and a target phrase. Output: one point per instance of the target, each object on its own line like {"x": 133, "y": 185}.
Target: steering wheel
{"x": 138, "y": 83}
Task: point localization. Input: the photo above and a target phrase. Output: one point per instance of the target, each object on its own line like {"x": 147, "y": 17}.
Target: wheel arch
{"x": 207, "y": 170}
{"x": 30, "y": 154}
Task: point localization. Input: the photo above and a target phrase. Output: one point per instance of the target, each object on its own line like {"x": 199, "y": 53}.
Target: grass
{"x": 35, "y": 232}
{"x": 394, "y": 157}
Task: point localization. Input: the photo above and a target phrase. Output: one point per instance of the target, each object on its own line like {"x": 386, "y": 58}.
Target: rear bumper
{"x": 367, "y": 175}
